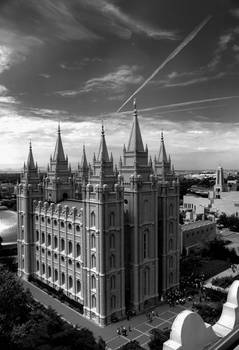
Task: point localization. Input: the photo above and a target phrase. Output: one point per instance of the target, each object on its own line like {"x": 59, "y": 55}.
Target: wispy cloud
{"x": 45, "y": 75}
{"x": 115, "y": 81}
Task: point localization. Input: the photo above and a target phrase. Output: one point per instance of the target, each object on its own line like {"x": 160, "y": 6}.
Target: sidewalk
{"x": 139, "y": 324}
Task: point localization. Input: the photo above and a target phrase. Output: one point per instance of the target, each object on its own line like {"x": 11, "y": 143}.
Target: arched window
{"x": 42, "y": 237}
{"x": 78, "y": 286}
{"x": 62, "y": 244}
{"x": 146, "y": 244}
{"x": 93, "y": 261}
{"x": 93, "y": 244}
{"x": 92, "y": 219}
{"x": 170, "y": 245}
{"x": 70, "y": 247}
{"x": 112, "y": 261}
{"x": 78, "y": 250}
{"x": 37, "y": 235}
{"x": 43, "y": 269}
{"x": 56, "y": 275}
{"x": 146, "y": 280}
{"x": 49, "y": 271}
{"x": 55, "y": 242}
{"x": 48, "y": 240}
{"x": 171, "y": 209}
{"x": 113, "y": 302}
{"x": 70, "y": 282}
{"x": 112, "y": 241}
{"x": 112, "y": 282}
{"x": 63, "y": 280}
{"x": 171, "y": 261}
{"x": 38, "y": 266}
{"x": 93, "y": 301}
{"x": 112, "y": 219}
{"x": 93, "y": 282}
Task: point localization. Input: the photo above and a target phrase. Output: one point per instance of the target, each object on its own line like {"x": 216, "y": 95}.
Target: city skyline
{"x": 77, "y": 61}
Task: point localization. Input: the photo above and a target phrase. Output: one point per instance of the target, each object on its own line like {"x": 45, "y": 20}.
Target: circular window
{"x": 62, "y": 259}
{"x": 70, "y": 262}
{"x": 55, "y": 222}
{"x": 42, "y": 219}
{"x": 62, "y": 224}
{"x": 126, "y": 201}
{"x": 36, "y": 217}
{"x": 43, "y": 250}
{"x": 69, "y": 226}
{"x": 55, "y": 256}
{"x": 77, "y": 228}
{"x": 49, "y": 220}
{"x": 37, "y": 248}
{"x": 78, "y": 265}
{"x": 49, "y": 253}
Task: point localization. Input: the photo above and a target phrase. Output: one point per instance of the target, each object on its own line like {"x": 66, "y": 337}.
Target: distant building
{"x": 195, "y": 234}
{"x": 109, "y": 238}
{"x": 224, "y": 198}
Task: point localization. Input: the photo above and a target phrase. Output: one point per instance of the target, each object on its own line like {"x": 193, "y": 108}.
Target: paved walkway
{"x": 139, "y": 325}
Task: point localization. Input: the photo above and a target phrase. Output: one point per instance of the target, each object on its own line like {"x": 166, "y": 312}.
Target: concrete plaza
{"x": 139, "y": 325}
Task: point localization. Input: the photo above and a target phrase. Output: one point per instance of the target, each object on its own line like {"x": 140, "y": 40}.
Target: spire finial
{"x": 162, "y": 136}
{"x": 59, "y": 127}
{"x": 134, "y": 103}
{"x": 102, "y": 128}
{"x": 30, "y": 144}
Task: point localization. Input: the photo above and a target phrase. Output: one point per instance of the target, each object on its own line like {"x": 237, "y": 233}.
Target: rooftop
{"x": 196, "y": 224}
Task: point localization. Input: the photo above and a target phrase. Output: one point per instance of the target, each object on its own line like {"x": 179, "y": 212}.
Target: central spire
{"x": 103, "y": 151}
{"x": 30, "y": 159}
{"x": 135, "y": 141}
{"x": 59, "y": 152}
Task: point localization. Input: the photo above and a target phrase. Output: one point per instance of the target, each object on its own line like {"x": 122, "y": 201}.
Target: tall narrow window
{"x": 49, "y": 271}
{"x": 146, "y": 211}
{"x": 70, "y": 247}
{"x": 62, "y": 244}
{"x": 63, "y": 280}
{"x": 170, "y": 245}
{"x": 146, "y": 281}
{"x": 78, "y": 286}
{"x": 42, "y": 237}
{"x": 48, "y": 240}
{"x": 43, "y": 269}
{"x": 171, "y": 278}
{"x": 112, "y": 241}
{"x": 92, "y": 219}
{"x": 38, "y": 267}
{"x": 37, "y": 235}
{"x": 171, "y": 209}
{"x": 55, "y": 242}
{"x": 78, "y": 250}
{"x": 93, "y": 282}
{"x": 171, "y": 227}
{"x": 70, "y": 282}
{"x": 56, "y": 275}
{"x": 112, "y": 219}
{"x": 146, "y": 244}
{"x": 171, "y": 261}
{"x": 93, "y": 261}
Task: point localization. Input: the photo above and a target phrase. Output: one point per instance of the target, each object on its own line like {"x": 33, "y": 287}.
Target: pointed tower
{"x": 83, "y": 169}
{"x": 102, "y": 167}
{"x": 220, "y": 184}
{"x": 162, "y": 163}
{"x": 28, "y": 190}
{"x": 135, "y": 157}
{"x": 58, "y": 184}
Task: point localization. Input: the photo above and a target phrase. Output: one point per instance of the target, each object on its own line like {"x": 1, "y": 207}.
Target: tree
{"x": 158, "y": 337}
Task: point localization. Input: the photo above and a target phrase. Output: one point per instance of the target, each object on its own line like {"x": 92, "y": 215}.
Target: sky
{"x": 77, "y": 61}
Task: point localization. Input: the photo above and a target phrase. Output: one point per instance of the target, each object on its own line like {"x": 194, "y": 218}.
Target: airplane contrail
{"x": 175, "y": 52}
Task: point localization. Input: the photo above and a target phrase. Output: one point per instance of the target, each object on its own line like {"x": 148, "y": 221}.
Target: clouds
{"x": 115, "y": 82}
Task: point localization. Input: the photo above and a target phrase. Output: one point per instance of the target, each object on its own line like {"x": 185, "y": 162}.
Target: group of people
{"x": 123, "y": 330}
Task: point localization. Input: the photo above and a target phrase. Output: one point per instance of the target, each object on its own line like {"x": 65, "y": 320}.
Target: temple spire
{"x": 84, "y": 163}
{"x": 162, "y": 157}
{"x": 135, "y": 141}
{"x": 59, "y": 152}
{"x": 103, "y": 151}
{"x": 30, "y": 159}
